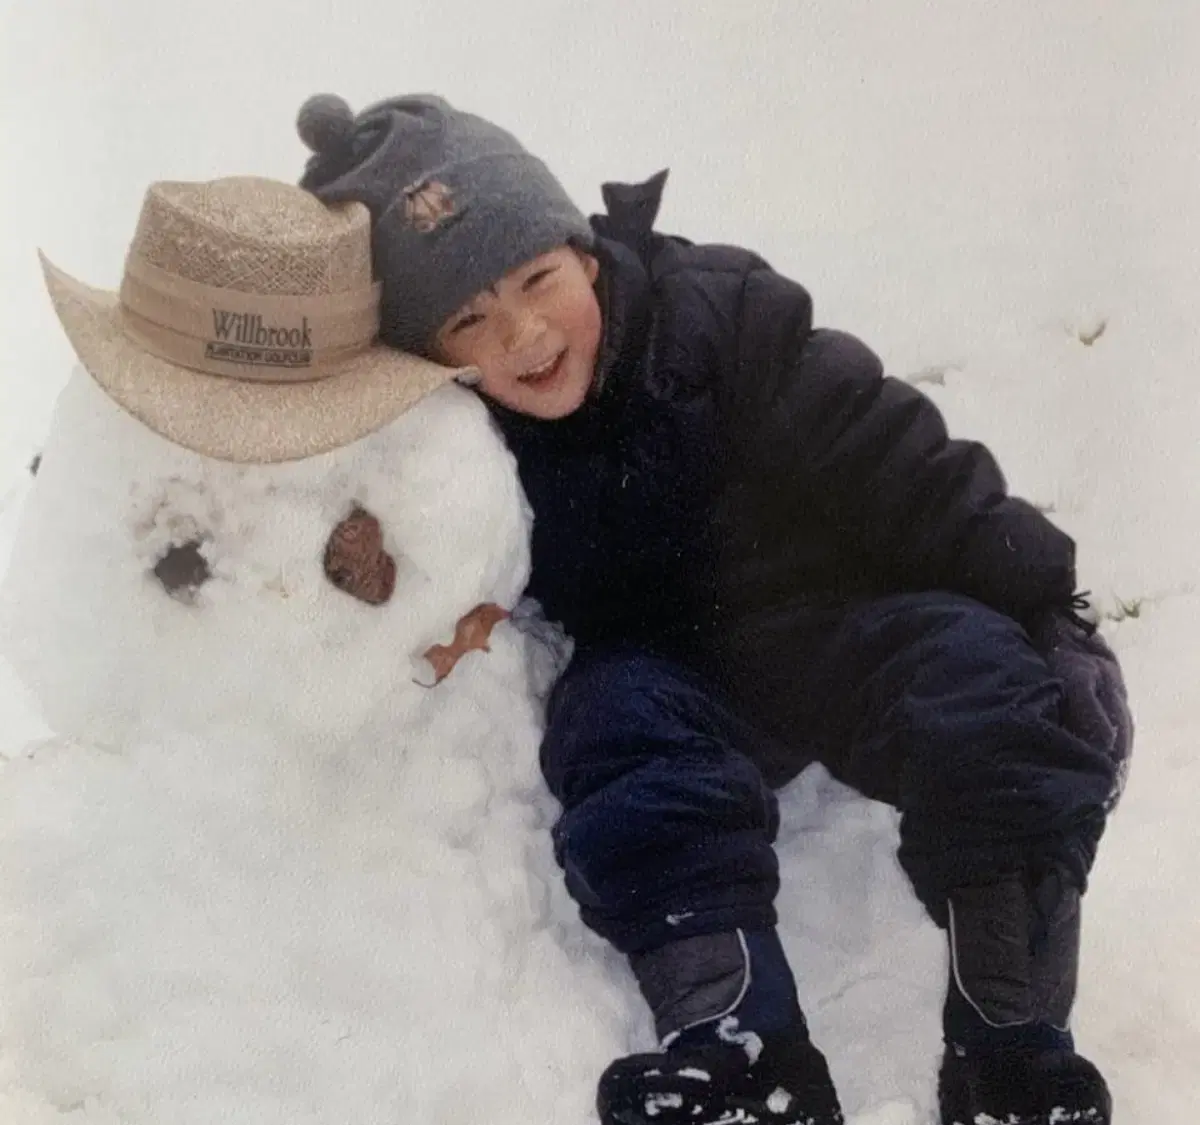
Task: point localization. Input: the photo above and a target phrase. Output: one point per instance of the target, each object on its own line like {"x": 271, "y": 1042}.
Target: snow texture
{"x": 249, "y": 871}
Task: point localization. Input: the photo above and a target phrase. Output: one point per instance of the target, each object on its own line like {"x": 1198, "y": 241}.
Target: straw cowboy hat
{"x": 246, "y": 324}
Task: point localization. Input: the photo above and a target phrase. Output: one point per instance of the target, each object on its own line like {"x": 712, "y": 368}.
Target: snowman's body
{"x": 265, "y": 633}
{"x": 265, "y": 875}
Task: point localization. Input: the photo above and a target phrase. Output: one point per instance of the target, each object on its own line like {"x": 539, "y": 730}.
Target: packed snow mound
{"x": 265, "y": 873}
{"x": 255, "y": 628}
{"x": 216, "y": 929}
{"x": 202, "y": 931}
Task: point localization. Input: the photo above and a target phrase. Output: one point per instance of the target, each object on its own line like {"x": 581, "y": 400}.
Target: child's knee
{"x": 612, "y": 708}
{"x": 951, "y": 616}
{"x": 961, "y": 645}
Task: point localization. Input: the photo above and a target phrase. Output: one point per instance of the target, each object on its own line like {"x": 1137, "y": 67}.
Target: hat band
{"x": 273, "y": 338}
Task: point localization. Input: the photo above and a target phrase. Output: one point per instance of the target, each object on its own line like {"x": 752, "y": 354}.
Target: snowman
{"x": 286, "y": 858}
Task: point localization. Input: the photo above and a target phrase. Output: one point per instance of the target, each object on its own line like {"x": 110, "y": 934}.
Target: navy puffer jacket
{"x": 734, "y": 459}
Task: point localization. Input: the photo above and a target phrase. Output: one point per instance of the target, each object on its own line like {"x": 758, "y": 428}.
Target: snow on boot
{"x": 734, "y": 1078}
{"x": 1017, "y": 1086}
{"x": 735, "y": 1045}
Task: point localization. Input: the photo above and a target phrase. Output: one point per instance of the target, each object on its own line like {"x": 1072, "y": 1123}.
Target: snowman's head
{"x": 152, "y": 587}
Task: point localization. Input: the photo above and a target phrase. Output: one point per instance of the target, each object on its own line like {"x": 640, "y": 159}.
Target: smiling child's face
{"x": 534, "y": 336}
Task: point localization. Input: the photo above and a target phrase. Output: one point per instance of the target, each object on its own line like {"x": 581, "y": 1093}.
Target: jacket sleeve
{"x": 814, "y": 414}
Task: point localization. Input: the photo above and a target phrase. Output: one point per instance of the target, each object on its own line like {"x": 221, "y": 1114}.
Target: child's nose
{"x": 523, "y": 326}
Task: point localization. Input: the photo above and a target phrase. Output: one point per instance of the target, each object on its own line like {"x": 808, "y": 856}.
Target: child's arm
{"x": 813, "y": 411}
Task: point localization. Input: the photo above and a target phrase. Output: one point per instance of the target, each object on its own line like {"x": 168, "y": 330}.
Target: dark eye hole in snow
{"x": 35, "y": 464}
{"x": 182, "y": 570}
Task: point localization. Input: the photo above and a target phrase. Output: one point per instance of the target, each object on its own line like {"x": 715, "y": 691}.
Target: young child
{"x": 767, "y": 553}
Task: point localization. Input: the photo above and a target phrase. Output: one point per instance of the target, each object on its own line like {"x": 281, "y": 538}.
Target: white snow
{"x": 262, "y": 874}
{"x": 729, "y": 1031}
{"x": 218, "y": 914}
{"x": 656, "y": 1103}
{"x": 779, "y": 1101}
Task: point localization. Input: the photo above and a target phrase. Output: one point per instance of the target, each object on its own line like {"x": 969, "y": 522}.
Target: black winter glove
{"x": 1095, "y": 702}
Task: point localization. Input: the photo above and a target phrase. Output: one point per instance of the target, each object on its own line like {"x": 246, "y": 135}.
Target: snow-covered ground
{"x": 1000, "y": 198}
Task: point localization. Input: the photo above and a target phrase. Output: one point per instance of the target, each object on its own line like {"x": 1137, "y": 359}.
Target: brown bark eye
{"x": 355, "y": 561}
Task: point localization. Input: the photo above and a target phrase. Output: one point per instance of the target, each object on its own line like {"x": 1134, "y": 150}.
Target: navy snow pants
{"x": 931, "y": 702}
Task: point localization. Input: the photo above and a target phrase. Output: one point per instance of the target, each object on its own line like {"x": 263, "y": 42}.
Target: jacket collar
{"x": 624, "y": 294}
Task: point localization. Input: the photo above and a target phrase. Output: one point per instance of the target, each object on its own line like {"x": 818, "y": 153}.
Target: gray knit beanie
{"x": 455, "y": 202}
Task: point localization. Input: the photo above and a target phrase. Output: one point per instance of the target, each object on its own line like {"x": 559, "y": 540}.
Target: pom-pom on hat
{"x": 325, "y": 123}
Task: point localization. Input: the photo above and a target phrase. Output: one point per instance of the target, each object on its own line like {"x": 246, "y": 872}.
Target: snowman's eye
{"x": 182, "y": 569}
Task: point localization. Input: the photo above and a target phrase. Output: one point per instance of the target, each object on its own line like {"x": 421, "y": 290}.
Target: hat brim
{"x": 234, "y": 419}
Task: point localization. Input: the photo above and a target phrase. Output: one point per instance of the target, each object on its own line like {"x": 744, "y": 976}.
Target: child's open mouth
{"x": 546, "y": 374}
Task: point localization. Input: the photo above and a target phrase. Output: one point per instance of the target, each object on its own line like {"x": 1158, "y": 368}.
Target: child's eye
{"x": 465, "y": 323}
{"x": 538, "y": 276}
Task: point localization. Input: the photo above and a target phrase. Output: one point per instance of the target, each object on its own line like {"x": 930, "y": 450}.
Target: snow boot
{"x": 778, "y": 1078}
{"x": 735, "y": 1047}
{"x": 1014, "y": 960}
{"x": 1019, "y": 1086}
